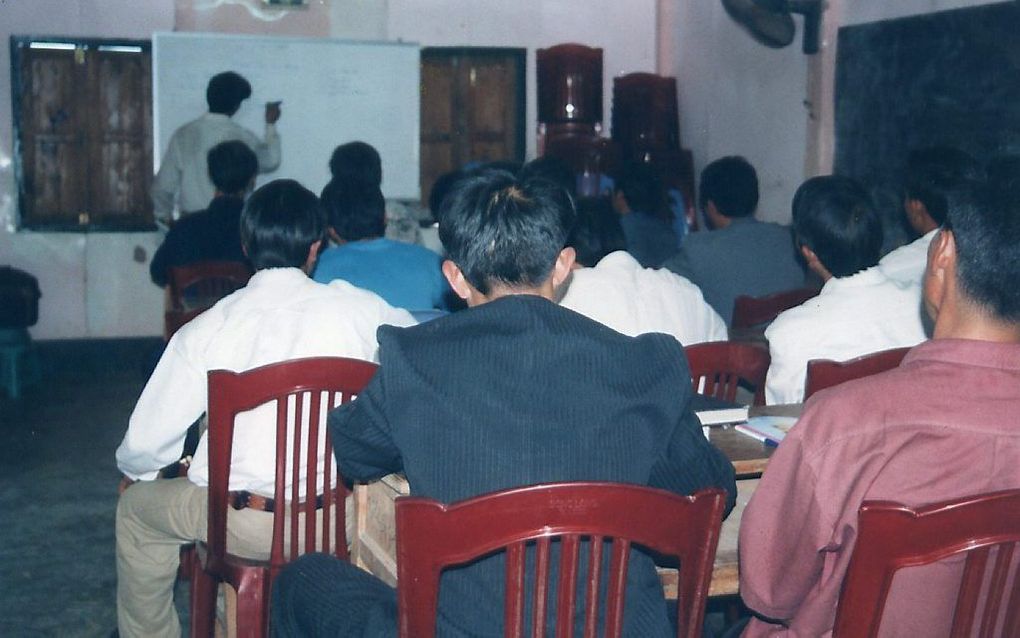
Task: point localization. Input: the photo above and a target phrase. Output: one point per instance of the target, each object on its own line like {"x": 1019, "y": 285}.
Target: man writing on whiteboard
{"x": 183, "y": 175}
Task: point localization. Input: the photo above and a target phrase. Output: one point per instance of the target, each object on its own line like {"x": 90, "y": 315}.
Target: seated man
{"x": 640, "y": 198}
{"x": 940, "y": 426}
{"x": 858, "y": 311}
{"x": 281, "y": 314}
{"x": 360, "y": 162}
{"x": 738, "y": 255}
{"x": 515, "y": 390}
{"x": 405, "y": 275}
{"x": 610, "y": 286}
{"x": 213, "y": 234}
{"x": 931, "y": 173}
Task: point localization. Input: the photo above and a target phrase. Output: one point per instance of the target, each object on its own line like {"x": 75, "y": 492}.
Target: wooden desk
{"x": 374, "y": 545}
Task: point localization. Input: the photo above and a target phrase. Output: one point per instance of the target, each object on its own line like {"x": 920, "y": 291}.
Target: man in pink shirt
{"x": 942, "y": 425}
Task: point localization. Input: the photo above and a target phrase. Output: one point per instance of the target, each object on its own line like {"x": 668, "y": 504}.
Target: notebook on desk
{"x": 713, "y": 411}
{"x": 770, "y": 430}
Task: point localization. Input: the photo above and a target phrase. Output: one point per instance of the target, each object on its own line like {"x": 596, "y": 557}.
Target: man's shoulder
{"x": 530, "y": 323}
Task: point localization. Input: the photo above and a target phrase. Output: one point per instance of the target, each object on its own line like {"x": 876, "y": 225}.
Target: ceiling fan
{"x": 771, "y": 21}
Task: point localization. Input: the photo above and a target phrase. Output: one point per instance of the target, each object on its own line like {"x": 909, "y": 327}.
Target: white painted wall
{"x": 772, "y": 106}
{"x": 91, "y": 284}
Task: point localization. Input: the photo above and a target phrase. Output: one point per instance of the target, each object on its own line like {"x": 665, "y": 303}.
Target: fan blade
{"x": 772, "y": 29}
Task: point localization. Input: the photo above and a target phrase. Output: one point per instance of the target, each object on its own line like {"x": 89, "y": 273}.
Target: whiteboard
{"x": 333, "y": 91}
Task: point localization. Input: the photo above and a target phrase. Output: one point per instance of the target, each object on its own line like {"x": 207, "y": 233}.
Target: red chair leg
{"x": 203, "y": 601}
{"x": 252, "y": 607}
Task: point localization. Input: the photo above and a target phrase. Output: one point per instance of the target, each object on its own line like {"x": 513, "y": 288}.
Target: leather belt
{"x": 245, "y": 499}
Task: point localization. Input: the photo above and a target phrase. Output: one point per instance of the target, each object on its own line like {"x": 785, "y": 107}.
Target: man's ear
{"x": 564, "y": 264}
{"x": 814, "y": 263}
{"x": 456, "y": 278}
{"x": 940, "y": 274}
{"x": 313, "y": 255}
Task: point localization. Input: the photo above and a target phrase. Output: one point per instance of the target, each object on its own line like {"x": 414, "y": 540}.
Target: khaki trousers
{"x": 154, "y": 519}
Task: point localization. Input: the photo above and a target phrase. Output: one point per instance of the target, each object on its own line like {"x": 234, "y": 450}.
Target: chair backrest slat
{"x": 514, "y": 614}
{"x": 892, "y": 536}
{"x": 566, "y": 596}
{"x": 996, "y": 589}
{"x": 617, "y": 587}
{"x": 431, "y": 536}
{"x": 296, "y": 388}
{"x": 591, "y": 618}
{"x": 970, "y": 589}
{"x": 541, "y": 591}
{"x": 718, "y": 367}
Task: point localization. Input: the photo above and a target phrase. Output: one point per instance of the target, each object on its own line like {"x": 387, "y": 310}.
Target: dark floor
{"x": 58, "y": 487}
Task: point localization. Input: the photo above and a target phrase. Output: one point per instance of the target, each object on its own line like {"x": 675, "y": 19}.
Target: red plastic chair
{"x": 749, "y": 312}
{"x": 892, "y": 536}
{"x": 305, "y": 384}
{"x": 198, "y": 286}
{"x": 718, "y": 368}
{"x": 825, "y": 373}
{"x": 432, "y": 536}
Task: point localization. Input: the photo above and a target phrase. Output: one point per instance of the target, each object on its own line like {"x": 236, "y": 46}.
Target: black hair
{"x": 835, "y": 218}
{"x": 440, "y": 189}
{"x": 984, "y": 217}
{"x": 225, "y": 93}
{"x": 356, "y": 162}
{"x": 644, "y": 191}
{"x": 932, "y": 172}
{"x": 356, "y": 210}
{"x": 279, "y": 224}
{"x": 1003, "y": 168}
{"x": 553, "y": 169}
{"x": 597, "y": 231}
{"x": 730, "y": 183}
{"x": 503, "y": 231}
{"x": 232, "y": 165}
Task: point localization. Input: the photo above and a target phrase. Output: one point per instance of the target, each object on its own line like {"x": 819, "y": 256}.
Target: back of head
{"x": 643, "y": 189}
{"x": 225, "y": 93}
{"x": 279, "y": 224}
{"x": 730, "y": 183}
{"x": 597, "y": 231}
{"x": 356, "y": 162}
{"x": 1003, "y": 168}
{"x": 933, "y": 172}
{"x": 984, "y": 218}
{"x": 834, "y": 217}
{"x": 440, "y": 189}
{"x": 232, "y": 166}
{"x": 501, "y": 231}
{"x": 553, "y": 169}
{"x": 356, "y": 210}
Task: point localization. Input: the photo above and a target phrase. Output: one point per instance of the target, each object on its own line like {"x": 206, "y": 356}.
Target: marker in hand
{"x": 273, "y": 111}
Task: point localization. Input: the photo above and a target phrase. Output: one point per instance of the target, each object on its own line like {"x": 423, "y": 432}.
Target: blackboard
{"x": 333, "y": 91}
{"x": 947, "y": 78}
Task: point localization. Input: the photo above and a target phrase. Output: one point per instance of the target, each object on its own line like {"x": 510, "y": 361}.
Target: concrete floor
{"x": 58, "y": 487}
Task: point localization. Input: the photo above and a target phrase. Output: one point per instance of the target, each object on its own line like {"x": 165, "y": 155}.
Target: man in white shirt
{"x": 183, "y": 176}
{"x": 281, "y": 314}
{"x": 611, "y": 287}
{"x": 859, "y": 310}
{"x": 931, "y": 174}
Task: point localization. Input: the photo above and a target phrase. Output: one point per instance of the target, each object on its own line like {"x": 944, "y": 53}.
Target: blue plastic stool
{"x": 18, "y": 366}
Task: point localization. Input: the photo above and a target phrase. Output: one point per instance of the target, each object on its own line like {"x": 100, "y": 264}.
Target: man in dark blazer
{"x": 515, "y": 390}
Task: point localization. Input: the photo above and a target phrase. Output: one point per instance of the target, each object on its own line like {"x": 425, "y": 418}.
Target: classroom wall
{"x": 92, "y": 284}
{"x": 772, "y": 106}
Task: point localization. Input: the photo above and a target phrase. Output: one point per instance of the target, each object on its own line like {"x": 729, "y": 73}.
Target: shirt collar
{"x": 971, "y": 352}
